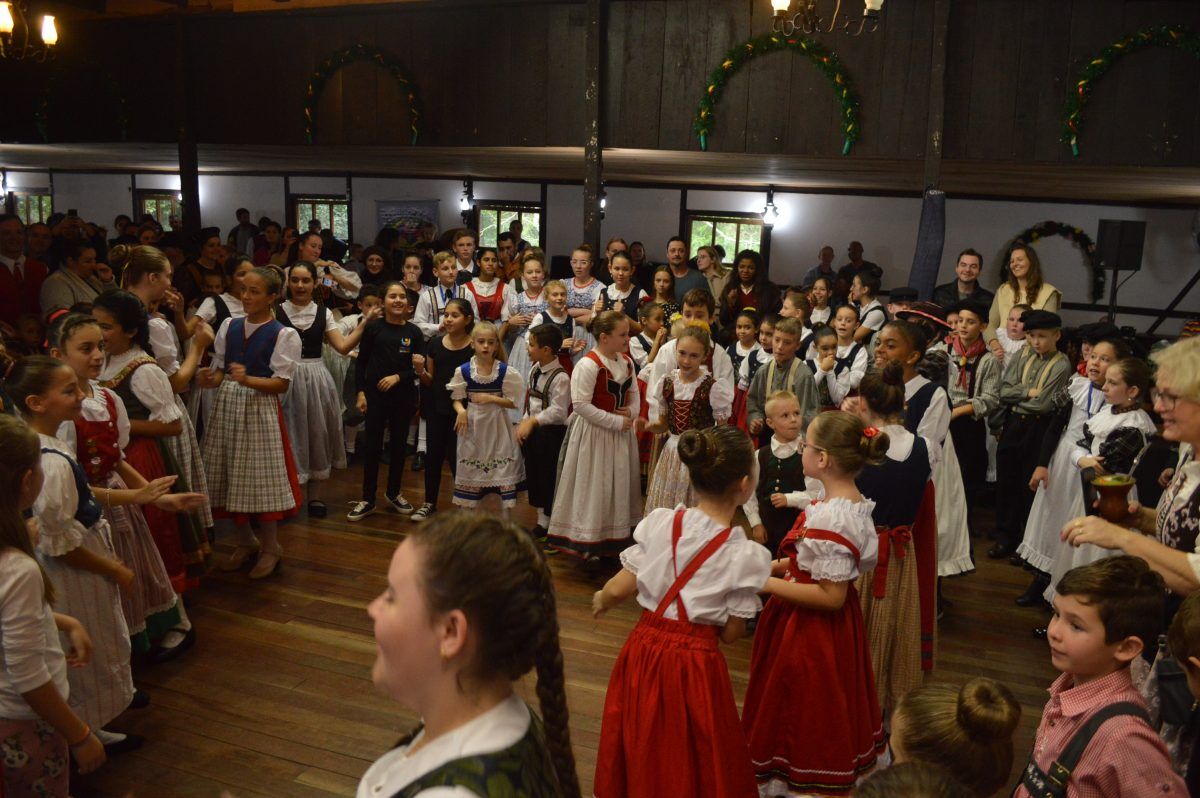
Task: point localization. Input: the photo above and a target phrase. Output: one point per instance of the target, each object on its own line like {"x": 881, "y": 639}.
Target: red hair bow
{"x": 871, "y": 432}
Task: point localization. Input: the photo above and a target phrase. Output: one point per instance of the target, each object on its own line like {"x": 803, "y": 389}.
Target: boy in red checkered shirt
{"x": 1094, "y": 739}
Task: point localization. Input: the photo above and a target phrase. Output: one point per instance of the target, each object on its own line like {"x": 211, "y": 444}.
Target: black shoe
{"x": 1040, "y": 632}
{"x": 538, "y": 532}
{"x": 132, "y": 742}
{"x": 385, "y": 457}
{"x": 1032, "y": 596}
{"x": 1017, "y": 560}
{"x": 1001, "y": 551}
{"x": 317, "y": 509}
{"x": 167, "y": 654}
{"x": 418, "y": 462}
{"x": 141, "y": 700}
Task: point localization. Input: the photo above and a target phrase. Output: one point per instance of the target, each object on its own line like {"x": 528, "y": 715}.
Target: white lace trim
{"x": 485, "y": 379}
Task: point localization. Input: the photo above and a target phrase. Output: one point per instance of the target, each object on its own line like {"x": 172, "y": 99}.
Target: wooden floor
{"x": 276, "y": 697}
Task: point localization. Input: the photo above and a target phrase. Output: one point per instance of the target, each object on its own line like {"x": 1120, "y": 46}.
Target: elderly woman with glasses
{"x": 1166, "y": 537}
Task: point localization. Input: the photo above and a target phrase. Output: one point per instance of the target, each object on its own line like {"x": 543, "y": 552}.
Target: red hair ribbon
{"x": 871, "y": 432}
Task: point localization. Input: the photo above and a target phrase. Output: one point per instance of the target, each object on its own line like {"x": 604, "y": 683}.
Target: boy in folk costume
{"x": 784, "y": 372}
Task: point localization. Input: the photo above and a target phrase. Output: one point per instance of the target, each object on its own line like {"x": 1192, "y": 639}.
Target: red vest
{"x": 19, "y": 296}
{"x": 609, "y": 395}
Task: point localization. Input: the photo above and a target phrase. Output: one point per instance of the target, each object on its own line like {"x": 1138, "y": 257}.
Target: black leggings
{"x": 391, "y": 410}
{"x": 441, "y": 444}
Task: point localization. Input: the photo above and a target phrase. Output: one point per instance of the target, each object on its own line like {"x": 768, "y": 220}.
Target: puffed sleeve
{"x": 286, "y": 354}
{"x": 55, "y": 509}
{"x": 514, "y": 387}
{"x": 22, "y": 605}
{"x": 122, "y": 420}
{"x": 654, "y": 392}
{"x": 162, "y": 341}
{"x": 153, "y": 389}
{"x": 207, "y": 309}
{"x": 633, "y": 556}
{"x": 219, "y": 344}
{"x": 748, "y": 567}
{"x": 457, "y": 385}
{"x": 721, "y": 399}
{"x": 583, "y": 385}
{"x": 827, "y": 559}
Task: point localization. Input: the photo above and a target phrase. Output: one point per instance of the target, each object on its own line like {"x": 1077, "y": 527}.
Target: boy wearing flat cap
{"x": 1031, "y": 379}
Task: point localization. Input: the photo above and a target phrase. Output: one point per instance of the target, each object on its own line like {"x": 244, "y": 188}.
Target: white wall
{"x": 564, "y": 218}
{"x": 27, "y": 180}
{"x": 98, "y": 198}
{"x": 222, "y": 195}
{"x": 648, "y": 215}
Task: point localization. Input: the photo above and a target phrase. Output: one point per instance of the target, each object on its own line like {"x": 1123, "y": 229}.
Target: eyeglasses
{"x": 806, "y": 445}
{"x": 580, "y": 262}
{"x": 1162, "y": 398}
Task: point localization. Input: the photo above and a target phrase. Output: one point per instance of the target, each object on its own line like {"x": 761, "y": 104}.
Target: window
{"x": 164, "y": 206}
{"x": 333, "y": 212}
{"x": 733, "y": 232}
{"x": 493, "y": 218}
{"x": 33, "y": 206}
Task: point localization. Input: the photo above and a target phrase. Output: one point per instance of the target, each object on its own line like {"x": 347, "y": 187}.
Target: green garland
{"x": 825, "y": 60}
{"x": 1073, "y": 234}
{"x": 349, "y": 55}
{"x": 1097, "y": 66}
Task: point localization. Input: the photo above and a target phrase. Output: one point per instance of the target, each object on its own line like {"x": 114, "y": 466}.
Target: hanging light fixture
{"x": 603, "y": 200}
{"x": 770, "y": 211}
{"x": 467, "y": 201}
{"x": 17, "y": 41}
{"x": 807, "y": 18}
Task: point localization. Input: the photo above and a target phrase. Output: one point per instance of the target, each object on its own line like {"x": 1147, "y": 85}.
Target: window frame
{"x": 21, "y": 202}
{"x": 523, "y": 209}
{"x": 293, "y": 210}
{"x": 141, "y": 195}
{"x": 741, "y": 218}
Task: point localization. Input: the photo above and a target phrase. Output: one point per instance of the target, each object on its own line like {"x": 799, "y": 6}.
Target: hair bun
{"x": 695, "y": 448}
{"x": 119, "y": 255}
{"x": 987, "y": 710}
{"x": 892, "y": 373}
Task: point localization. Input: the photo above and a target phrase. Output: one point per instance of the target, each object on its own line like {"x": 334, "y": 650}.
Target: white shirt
{"x": 284, "y": 357}
{"x": 96, "y": 409}
{"x": 30, "y": 652}
{"x": 149, "y": 384}
{"x": 560, "y": 397}
{"x": 799, "y": 499}
{"x": 1009, "y": 345}
{"x": 840, "y": 385}
{"x": 512, "y": 297}
{"x": 16, "y": 266}
{"x": 726, "y": 584}
{"x": 720, "y": 398}
{"x": 1105, "y": 422}
{"x": 56, "y": 505}
{"x": 302, "y": 318}
{"x": 873, "y": 321}
{"x": 819, "y": 316}
{"x": 827, "y": 559}
{"x": 430, "y": 306}
{"x": 208, "y": 308}
{"x": 1086, "y": 401}
{"x": 500, "y": 727}
{"x": 583, "y": 385}
{"x": 722, "y": 366}
{"x": 165, "y": 345}
{"x": 934, "y": 426}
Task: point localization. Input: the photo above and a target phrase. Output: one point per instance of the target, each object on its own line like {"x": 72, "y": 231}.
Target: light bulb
{"x": 464, "y": 203}
{"x": 874, "y": 6}
{"x": 6, "y": 19}
{"x": 603, "y": 202}
{"x": 780, "y": 6}
{"x": 49, "y": 33}
{"x": 770, "y": 214}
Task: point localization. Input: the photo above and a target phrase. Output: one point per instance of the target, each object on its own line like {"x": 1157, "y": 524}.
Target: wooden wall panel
{"x": 768, "y": 111}
{"x": 633, "y": 91}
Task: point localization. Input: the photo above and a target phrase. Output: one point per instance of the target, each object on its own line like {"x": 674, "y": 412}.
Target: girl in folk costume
{"x": 575, "y": 337}
{"x": 583, "y": 288}
{"x": 889, "y": 594}
{"x": 974, "y": 392}
{"x": 41, "y": 732}
{"x": 97, "y": 437}
{"x": 311, "y": 403}
{"x": 745, "y": 345}
{"x": 147, "y": 272}
{"x": 433, "y": 301}
{"x": 468, "y": 610}
{"x": 823, "y": 366}
{"x": 597, "y": 500}
{"x": 213, "y": 311}
{"x": 155, "y": 419}
{"x": 518, "y": 316}
{"x": 622, "y": 296}
{"x": 486, "y": 293}
{"x": 644, "y": 346}
{"x": 444, "y": 355}
{"x": 670, "y": 726}
{"x": 819, "y": 295}
{"x": 664, "y": 293}
{"x": 250, "y": 468}
{"x": 75, "y": 544}
{"x": 1111, "y": 441}
{"x": 684, "y": 398}
{"x": 1059, "y": 490}
{"x": 757, "y": 358}
{"x": 482, "y": 391}
{"x": 819, "y": 738}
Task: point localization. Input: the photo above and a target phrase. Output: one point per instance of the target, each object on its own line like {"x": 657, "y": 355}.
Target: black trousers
{"x": 392, "y": 410}
{"x": 441, "y": 444}
{"x": 1016, "y": 459}
{"x": 970, "y": 444}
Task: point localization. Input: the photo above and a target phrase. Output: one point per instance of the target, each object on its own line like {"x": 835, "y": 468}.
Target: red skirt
{"x": 925, "y": 539}
{"x": 645, "y": 439}
{"x": 144, "y": 455}
{"x": 811, "y": 714}
{"x": 738, "y": 416}
{"x": 670, "y": 723}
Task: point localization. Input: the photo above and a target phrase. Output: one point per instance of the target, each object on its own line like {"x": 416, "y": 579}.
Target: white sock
{"x": 107, "y": 737}
{"x": 543, "y": 519}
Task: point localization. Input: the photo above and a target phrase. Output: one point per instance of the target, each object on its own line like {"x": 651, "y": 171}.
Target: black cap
{"x": 903, "y": 294}
{"x": 976, "y": 306}
{"x": 1098, "y": 331}
{"x": 1041, "y": 320}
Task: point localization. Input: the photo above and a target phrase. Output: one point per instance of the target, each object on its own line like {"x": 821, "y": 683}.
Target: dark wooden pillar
{"x": 593, "y": 145}
{"x": 937, "y": 95}
{"x": 189, "y": 161}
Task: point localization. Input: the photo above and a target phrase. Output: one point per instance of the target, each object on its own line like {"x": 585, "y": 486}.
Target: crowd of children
{"x": 853, "y": 438}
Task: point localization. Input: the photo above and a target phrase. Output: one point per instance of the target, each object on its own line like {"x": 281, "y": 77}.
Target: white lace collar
{"x": 484, "y": 379}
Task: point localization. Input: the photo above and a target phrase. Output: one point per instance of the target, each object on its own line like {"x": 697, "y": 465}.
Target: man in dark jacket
{"x": 967, "y": 269}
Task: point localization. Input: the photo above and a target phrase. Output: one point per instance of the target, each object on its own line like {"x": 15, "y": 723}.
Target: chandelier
{"x": 807, "y": 19}
{"x": 16, "y": 40}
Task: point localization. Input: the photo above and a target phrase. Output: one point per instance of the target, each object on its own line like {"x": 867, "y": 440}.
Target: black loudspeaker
{"x": 560, "y": 267}
{"x": 1119, "y": 245}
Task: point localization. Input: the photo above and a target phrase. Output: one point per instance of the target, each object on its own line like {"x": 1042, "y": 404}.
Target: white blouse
{"x": 513, "y": 388}
{"x": 208, "y": 308}
{"x": 830, "y": 560}
{"x": 57, "y": 504}
{"x": 583, "y": 386}
{"x": 302, "y": 318}
{"x": 819, "y": 316}
{"x": 283, "y": 358}
{"x": 149, "y": 384}
{"x": 559, "y": 407}
{"x": 727, "y": 584}
{"x": 30, "y": 652}
{"x": 720, "y": 397}
{"x": 165, "y": 345}
{"x": 722, "y": 365}
{"x": 1105, "y": 422}
{"x": 96, "y": 409}
{"x": 934, "y": 426}
{"x": 500, "y": 727}
{"x": 840, "y": 385}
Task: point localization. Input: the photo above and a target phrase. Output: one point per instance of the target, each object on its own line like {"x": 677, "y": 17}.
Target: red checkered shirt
{"x": 1125, "y": 757}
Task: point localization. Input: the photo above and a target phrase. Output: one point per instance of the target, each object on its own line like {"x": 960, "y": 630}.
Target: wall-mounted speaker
{"x": 1119, "y": 245}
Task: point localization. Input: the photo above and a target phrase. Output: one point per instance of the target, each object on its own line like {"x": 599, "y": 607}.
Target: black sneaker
{"x": 400, "y": 504}
{"x": 360, "y": 510}
{"x": 422, "y": 514}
